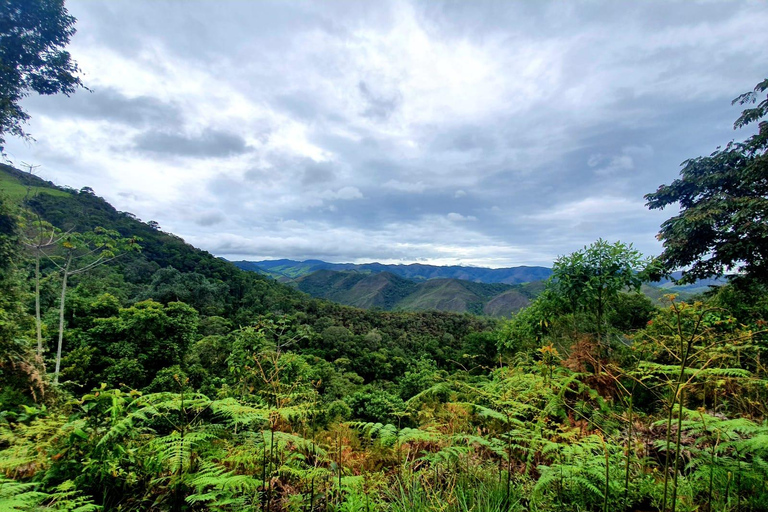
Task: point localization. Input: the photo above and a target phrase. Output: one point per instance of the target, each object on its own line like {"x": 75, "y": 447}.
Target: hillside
{"x": 380, "y": 286}
{"x": 363, "y": 290}
{"x": 167, "y": 270}
{"x": 210, "y": 283}
{"x": 290, "y": 269}
{"x": 387, "y": 291}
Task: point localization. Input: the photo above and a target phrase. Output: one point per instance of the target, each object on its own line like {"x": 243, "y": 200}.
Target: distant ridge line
{"x": 293, "y": 269}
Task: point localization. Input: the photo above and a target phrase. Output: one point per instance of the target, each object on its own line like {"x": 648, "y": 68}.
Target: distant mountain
{"x": 387, "y": 291}
{"x": 700, "y": 286}
{"x": 364, "y": 290}
{"x": 283, "y": 270}
{"x": 417, "y": 287}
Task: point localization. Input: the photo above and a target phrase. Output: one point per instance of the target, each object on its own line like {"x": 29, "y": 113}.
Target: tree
{"x": 592, "y": 278}
{"x": 134, "y": 344}
{"x": 39, "y": 237}
{"x": 723, "y": 221}
{"x": 33, "y": 34}
{"x": 81, "y": 253}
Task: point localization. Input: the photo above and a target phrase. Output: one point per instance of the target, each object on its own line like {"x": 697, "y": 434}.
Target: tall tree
{"x": 39, "y": 237}
{"x": 33, "y": 34}
{"x": 723, "y": 221}
{"x": 592, "y": 278}
{"x": 81, "y": 253}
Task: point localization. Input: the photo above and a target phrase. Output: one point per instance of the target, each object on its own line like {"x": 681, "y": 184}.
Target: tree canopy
{"x": 33, "y": 34}
{"x": 592, "y": 278}
{"x": 723, "y": 221}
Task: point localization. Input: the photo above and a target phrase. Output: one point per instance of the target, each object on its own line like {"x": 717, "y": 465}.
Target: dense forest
{"x": 140, "y": 373}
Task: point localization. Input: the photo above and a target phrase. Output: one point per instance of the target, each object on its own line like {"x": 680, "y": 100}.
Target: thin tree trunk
{"x": 38, "y": 320}
{"x": 677, "y": 448}
{"x": 629, "y": 449}
{"x": 61, "y": 319}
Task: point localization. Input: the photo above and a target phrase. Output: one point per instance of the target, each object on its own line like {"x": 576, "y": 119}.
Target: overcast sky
{"x": 485, "y": 133}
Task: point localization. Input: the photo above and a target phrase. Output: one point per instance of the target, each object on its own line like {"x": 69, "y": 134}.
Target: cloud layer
{"x": 486, "y": 133}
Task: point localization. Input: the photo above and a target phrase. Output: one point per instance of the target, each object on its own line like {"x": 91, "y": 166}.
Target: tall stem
{"x": 61, "y": 318}
{"x": 685, "y": 348}
{"x": 338, "y": 441}
{"x": 629, "y": 450}
{"x": 38, "y": 320}
{"x": 677, "y": 449}
{"x": 509, "y": 463}
{"x": 666, "y": 454}
{"x": 607, "y": 478}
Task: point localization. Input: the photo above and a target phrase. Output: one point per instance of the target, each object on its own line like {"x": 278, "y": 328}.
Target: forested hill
{"x": 167, "y": 270}
{"x": 209, "y": 284}
{"x": 384, "y": 290}
{"x": 291, "y": 269}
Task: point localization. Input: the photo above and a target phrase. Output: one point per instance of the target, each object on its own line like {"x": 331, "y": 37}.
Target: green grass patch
{"x": 16, "y": 189}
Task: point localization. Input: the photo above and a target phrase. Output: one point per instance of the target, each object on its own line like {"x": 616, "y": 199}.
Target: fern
{"x": 23, "y": 497}
{"x": 220, "y": 488}
{"x": 18, "y": 496}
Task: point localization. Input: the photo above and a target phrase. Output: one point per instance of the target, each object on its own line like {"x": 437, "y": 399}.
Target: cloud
{"x": 590, "y": 208}
{"x": 209, "y": 143}
{"x": 345, "y": 194}
{"x": 403, "y": 130}
{"x": 109, "y": 104}
{"x": 404, "y": 186}
{"x": 457, "y": 217}
{"x": 378, "y": 106}
{"x": 317, "y": 172}
{"x": 210, "y": 218}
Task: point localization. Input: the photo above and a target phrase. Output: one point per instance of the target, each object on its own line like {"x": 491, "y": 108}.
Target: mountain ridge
{"x": 283, "y": 269}
{"x": 387, "y": 291}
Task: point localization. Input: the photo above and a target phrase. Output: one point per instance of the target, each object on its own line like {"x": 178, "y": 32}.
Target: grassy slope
{"x": 17, "y": 186}
{"x": 444, "y": 295}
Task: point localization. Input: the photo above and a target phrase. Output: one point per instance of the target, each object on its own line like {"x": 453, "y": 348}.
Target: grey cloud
{"x": 207, "y": 219}
{"x": 108, "y": 104}
{"x": 210, "y": 143}
{"x": 378, "y": 105}
{"x": 301, "y": 106}
{"x": 633, "y": 88}
{"x": 317, "y": 172}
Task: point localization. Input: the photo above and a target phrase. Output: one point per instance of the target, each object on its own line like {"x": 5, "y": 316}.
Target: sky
{"x": 486, "y": 133}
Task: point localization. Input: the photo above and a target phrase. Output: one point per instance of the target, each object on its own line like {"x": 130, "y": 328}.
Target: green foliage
{"x": 135, "y": 343}
{"x": 20, "y": 374}
{"x": 374, "y": 405}
{"x": 592, "y": 278}
{"x": 22, "y": 497}
{"x": 205, "y": 295}
{"x": 35, "y": 33}
{"x": 723, "y": 202}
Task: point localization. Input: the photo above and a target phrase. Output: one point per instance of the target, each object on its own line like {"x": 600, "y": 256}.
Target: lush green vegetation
{"x": 188, "y": 384}
{"x": 139, "y": 373}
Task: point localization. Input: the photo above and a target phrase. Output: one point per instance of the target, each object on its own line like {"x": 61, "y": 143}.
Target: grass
{"x": 16, "y": 190}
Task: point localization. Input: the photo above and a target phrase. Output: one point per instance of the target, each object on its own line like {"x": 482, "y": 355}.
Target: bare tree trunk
{"x": 61, "y": 319}
{"x": 38, "y": 320}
